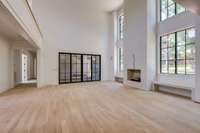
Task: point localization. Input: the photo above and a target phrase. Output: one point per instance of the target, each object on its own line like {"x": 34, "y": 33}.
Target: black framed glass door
{"x": 64, "y": 68}
{"x": 74, "y": 67}
{"x": 87, "y": 68}
{"x": 96, "y": 68}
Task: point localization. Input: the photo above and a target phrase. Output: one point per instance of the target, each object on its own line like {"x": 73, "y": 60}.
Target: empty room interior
{"x": 100, "y": 66}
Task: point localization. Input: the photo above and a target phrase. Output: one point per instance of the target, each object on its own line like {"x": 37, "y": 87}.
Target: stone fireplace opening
{"x": 134, "y": 75}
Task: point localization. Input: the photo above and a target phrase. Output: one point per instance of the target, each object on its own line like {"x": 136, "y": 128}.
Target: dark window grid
{"x": 86, "y": 72}
{"x": 168, "y": 64}
{"x": 97, "y": 58}
{"x": 63, "y": 73}
{"x": 168, "y": 3}
{"x": 186, "y": 64}
{"x": 95, "y": 72}
{"x": 180, "y": 45}
{"x": 168, "y": 40}
{"x": 120, "y": 59}
{"x": 121, "y": 26}
{"x": 176, "y": 58}
{"x": 192, "y": 43}
{"x": 168, "y": 47}
{"x": 169, "y": 60}
{"x": 76, "y": 77}
{"x": 167, "y": 9}
{"x": 96, "y": 68}
{"x": 186, "y": 44}
{"x": 96, "y": 65}
{"x": 86, "y": 64}
{"x": 178, "y": 52}
{"x": 63, "y": 78}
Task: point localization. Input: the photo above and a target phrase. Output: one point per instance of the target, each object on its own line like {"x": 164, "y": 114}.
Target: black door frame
{"x": 92, "y": 55}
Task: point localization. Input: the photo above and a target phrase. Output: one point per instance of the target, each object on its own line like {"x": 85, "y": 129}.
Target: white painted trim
{"x": 8, "y": 5}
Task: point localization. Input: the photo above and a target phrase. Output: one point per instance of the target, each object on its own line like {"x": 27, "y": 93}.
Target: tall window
{"x": 178, "y": 52}
{"x": 170, "y": 8}
{"x": 121, "y": 27}
{"x": 120, "y": 60}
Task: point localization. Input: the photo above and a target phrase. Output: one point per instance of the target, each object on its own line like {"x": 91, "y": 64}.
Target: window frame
{"x": 167, "y": 9}
{"x": 66, "y": 76}
{"x": 120, "y": 27}
{"x": 120, "y": 59}
{"x": 176, "y": 59}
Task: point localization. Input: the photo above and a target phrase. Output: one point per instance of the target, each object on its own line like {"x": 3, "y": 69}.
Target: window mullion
{"x": 185, "y": 52}
{"x": 160, "y": 54}
{"x": 168, "y": 54}
{"x": 167, "y": 8}
{"x": 175, "y": 8}
{"x": 176, "y": 53}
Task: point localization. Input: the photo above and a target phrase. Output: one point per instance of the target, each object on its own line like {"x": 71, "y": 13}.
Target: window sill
{"x": 163, "y": 74}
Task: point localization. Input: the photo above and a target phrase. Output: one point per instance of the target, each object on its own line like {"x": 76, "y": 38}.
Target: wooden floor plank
{"x": 98, "y": 107}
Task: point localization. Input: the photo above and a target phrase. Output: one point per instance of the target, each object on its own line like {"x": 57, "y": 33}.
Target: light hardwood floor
{"x": 98, "y": 107}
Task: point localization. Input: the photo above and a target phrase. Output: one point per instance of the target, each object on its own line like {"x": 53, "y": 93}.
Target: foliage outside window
{"x": 178, "y": 52}
{"x": 121, "y": 27}
{"x": 120, "y": 54}
{"x": 120, "y": 60}
{"x": 169, "y": 8}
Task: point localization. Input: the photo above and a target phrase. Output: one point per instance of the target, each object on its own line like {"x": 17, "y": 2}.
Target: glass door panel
{"x": 96, "y": 68}
{"x": 76, "y": 67}
{"x": 87, "y": 72}
{"x": 64, "y": 68}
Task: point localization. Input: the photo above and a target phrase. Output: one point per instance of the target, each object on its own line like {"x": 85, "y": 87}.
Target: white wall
{"x": 135, "y": 38}
{"x": 140, "y": 22}
{"x": 151, "y": 43}
{"x": 72, "y": 26}
{"x": 5, "y": 65}
{"x": 111, "y": 47}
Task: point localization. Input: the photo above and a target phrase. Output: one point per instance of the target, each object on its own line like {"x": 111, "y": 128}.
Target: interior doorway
{"x": 25, "y": 67}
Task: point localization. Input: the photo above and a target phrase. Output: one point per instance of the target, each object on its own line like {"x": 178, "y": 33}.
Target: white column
{"x": 140, "y": 41}
{"x": 196, "y": 90}
{"x": 40, "y": 68}
{"x": 12, "y": 81}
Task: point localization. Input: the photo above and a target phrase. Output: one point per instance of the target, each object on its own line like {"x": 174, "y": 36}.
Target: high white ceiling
{"x": 105, "y": 5}
{"x": 110, "y": 5}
